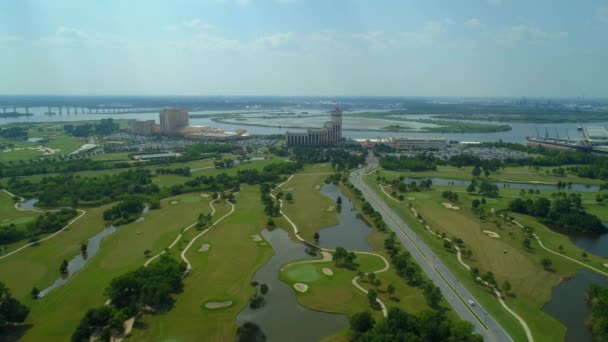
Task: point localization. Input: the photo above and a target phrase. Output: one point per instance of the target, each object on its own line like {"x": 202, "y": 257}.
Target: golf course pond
{"x": 351, "y": 232}
{"x": 282, "y": 318}
{"x": 568, "y": 304}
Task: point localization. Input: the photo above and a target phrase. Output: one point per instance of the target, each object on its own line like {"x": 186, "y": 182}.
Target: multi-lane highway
{"x": 455, "y": 294}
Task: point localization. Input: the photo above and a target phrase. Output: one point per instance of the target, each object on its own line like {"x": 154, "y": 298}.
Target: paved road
{"x": 452, "y": 290}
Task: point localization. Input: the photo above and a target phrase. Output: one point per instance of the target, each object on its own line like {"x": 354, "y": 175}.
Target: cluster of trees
{"x": 564, "y": 212}
{"x": 421, "y": 162}
{"x": 48, "y": 223}
{"x": 597, "y": 297}
{"x": 11, "y": 310}
{"x": 180, "y": 171}
{"x": 403, "y": 326}
{"x": 339, "y": 158}
{"x": 402, "y": 260}
{"x": 344, "y": 258}
{"x": 374, "y": 215}
{"x": 202, "y": 150}
{"x": 53, "y": 165}
{"x": 69, "y": 190}
{"x": 484, "y": 188}
{"x": 271, "y": 208}
{"x": 105, "y": 126}
{"x": 223, "y": 163}
{"x": 450, "y": 195}
{"x": 151, "y": 286}
{"x": 128, "y": 210}
{"x": 13, "y": 132}
{"x": 399, "y": 184}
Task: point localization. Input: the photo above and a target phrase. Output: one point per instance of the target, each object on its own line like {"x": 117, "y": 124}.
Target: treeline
{"x": 428, "y": 162}
{"x": 597, "y": 298}
{"x": 13, "y": 132}
{"x": 180, "y": 171}
{"x": 131, "y": 293}
{"x": 105, "y": 126}
{"x": 564, "y": 213}
{"x": 50, "y": 222}
{"x": 403, "y": 326}
{"x": 339, "y": 158}
{"x": 69, "y": 190}
{"x": 128, "y": 210}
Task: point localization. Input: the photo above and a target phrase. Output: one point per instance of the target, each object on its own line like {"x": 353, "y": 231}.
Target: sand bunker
{"x": 173, "y": 202}
{"x": 330, "y": 208}
{"x": 492, "y": 234}
{"x": 300, "y": 287}
{"x": 256, "y": 237}
{"x": 410, "y": 198}
{"x": 204, "y": 248}
{"x": 317, "y": 187}
{"x": 205, "y": 195}
{"x": 327, "y": 271}
{"x": 450, "y": 206}
{"x": 605, "y": 265}
{"x": 217, "y": 305}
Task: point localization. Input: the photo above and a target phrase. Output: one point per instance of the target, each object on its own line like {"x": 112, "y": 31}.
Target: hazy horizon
{"x": 469, "y": 49}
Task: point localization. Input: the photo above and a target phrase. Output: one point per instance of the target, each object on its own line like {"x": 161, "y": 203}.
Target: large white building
{"x": 329, "y": 134}
{"x": 596, "y": 135}
{"x": 418, "y": 143}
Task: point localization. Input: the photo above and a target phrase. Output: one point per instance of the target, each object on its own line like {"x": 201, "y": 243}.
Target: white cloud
{"x": 376, "y": 39}
{"x": 526, "y": 34}
{"x": 7, "y": 38}
{"x": 428, "y": 35}
{"x": 473, "y": 24}
{"x": 194, "y": 24}
{"x": 207, "y": 41}
{"x": 602, "y": 14}
{"x": 273, "y": 40}
{"x": 66, "y": 36}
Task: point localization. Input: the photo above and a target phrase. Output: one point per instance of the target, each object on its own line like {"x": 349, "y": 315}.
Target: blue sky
{"x": 305, "y": 47}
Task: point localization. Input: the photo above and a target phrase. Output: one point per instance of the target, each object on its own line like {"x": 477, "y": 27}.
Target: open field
{"x": 505, "y": 257}
{"x": 221, "y": 274}
{"x": 57, "y": 140}
{"x": 55, "y": 316}
{"x": 10, "y": 215}
{"x": 520, "y": 174}
{"x": 309, "y": 209}
{"x": 113, "y": 157}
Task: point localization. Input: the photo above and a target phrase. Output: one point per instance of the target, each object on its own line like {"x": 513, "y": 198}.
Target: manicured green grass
{"x": 307, "y": 199}
{"x": 10, "y": 215}
{"x": 520, "y": 174}
{"x": 222, "y": 273}
{"x": 55, "y": 316}
{"x": 531, "y": 284}
{"x": 112, "y": 157}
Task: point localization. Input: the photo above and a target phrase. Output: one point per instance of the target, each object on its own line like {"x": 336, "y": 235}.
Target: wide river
{"x": 353, "y": 127}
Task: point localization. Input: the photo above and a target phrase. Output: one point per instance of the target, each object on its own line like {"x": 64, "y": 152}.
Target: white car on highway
{"x": 471, "y": 302}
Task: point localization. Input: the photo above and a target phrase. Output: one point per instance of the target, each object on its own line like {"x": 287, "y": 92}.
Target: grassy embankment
{"x": 55, "y": 316}
{"x": 505, "y": 257}
{"x": 221, "y": 274}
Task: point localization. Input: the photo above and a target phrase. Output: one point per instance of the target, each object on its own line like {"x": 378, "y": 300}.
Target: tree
{"x": 317, "y": 237}
{"x": 270, "y": 223}
{"x": 527, "y": 243}
{"x": 432, "y": 294}
{"x": 289, "y": 197}
{"x": 584, "y": 255}
{"x": 35, "y": 292}
{"x": 471, "y": 188}
{"x": 249, "y": 332}
{"x": 362, "y": 322}
{"x": 475, "y": 203}
{"x": 339, "y": 200}
{"x": 547, "y": 264}
{"x": 372, "y": 296}
{"x": 11, "y": 310}
{"x": 506, "y": 286}
{"x": 390, "y": 289}
{"x": 476, "y": 171}
{"x": 264, "y": 289}
{"x": 63, "y": 269}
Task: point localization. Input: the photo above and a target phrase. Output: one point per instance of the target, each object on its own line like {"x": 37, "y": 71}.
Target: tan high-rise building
{"x": 142, "y": 127}
{"x": 172, "y": 120}
{"x": 329, "y": 134}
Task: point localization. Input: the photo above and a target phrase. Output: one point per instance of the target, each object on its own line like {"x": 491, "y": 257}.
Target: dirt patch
{"x": 205, "y": 195}
{"x": 605, "y": 265}
{"x": 330, "y": 208}
{"x": 327, "y": 271}
{"x": 450, "y": 206}
{"x": 204, "y": 248}
{"x": 410, "y": 198}
{"x": 217, "y": 305}
{"x": 256, "y": 237}
{"x": 492, "y": 234}
{"x": 317, "y": 187}
{"x": 300, "y": 287}
{"x": 173, "y": 202}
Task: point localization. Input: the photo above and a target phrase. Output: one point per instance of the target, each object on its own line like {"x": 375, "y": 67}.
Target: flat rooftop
{"x": 596, "y": 132}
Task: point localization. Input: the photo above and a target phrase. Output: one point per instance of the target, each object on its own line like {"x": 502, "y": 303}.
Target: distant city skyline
{"x": 469, "y": 48}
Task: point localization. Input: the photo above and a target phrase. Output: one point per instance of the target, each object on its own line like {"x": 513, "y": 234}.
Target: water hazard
{"x": 282, "y": 318}
{"x": 568, "y": 304}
